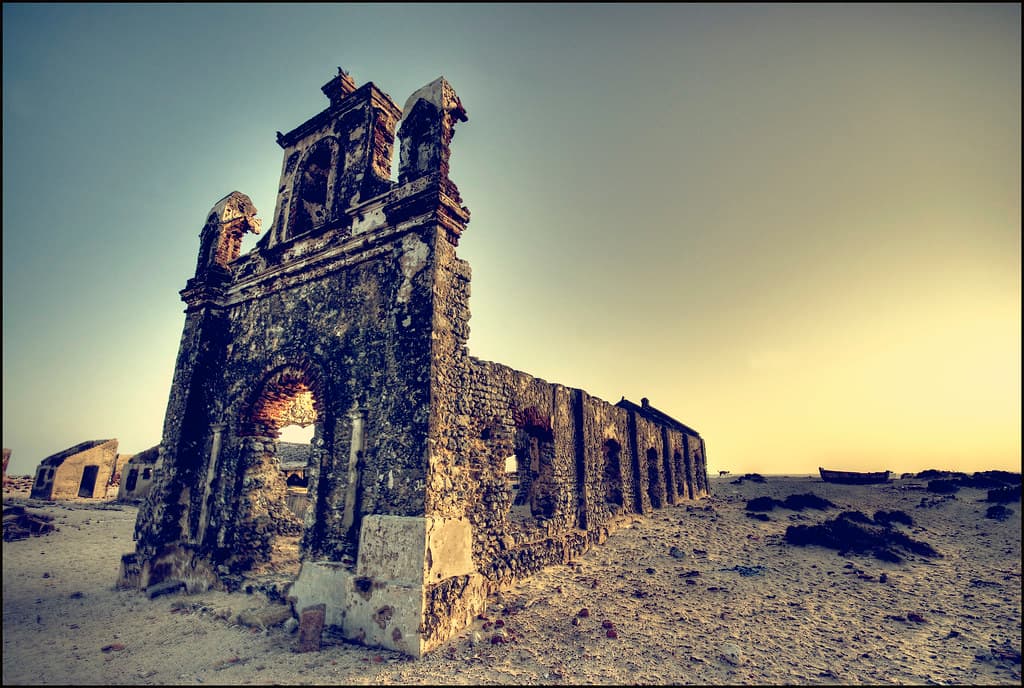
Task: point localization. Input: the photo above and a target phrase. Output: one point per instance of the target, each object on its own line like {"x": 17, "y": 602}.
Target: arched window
{"x": 654, "y": 485}
{"x": 612, "y": 473}
{"x": 312, "y": 189}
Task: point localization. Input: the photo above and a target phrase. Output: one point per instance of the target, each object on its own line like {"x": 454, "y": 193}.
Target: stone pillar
{"x": 211, "y": 472}
{"x": 357, "y": 416}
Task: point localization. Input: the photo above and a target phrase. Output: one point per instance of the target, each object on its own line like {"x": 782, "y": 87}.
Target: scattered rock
{"x": 113, "y": 647}
{"x": 583, "y": 613}
{"x": 291, "y": 625}
{"x": 676, "y": 553}
{"x": 758, "y": 517}
{"x": 265, "y": 617}
{"x": 165, "y": 588}
{"x": 611, "y": 633}
{"x": 730, "y": 653}
{"x": 311, "y": 627}
{"x": 916, "y": 618}
{"x": 20, "y": 524}
{"x": 1006, "y": 653}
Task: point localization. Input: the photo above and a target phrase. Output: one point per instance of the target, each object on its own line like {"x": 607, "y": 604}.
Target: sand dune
{"x": 696, "y": 593}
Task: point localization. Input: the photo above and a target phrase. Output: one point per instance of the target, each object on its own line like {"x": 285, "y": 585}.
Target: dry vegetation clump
{"x": 853, "y": 531}
{"x": 1004, "y": 494}
{"x": 998, "y": 513}
{"x": 944, "y": 486}
{"x": 795, "y": 502}
{"x": 752, "y": 477}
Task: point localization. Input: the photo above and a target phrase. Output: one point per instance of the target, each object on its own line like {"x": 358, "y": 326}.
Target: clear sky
{"x": 795, "y": 228}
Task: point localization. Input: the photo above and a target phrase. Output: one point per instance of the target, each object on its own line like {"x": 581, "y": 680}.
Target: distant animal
{"x": 721, "y": 473}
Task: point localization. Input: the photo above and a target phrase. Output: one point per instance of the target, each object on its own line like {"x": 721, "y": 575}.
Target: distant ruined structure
{"x": 138, "y": 475}
{"x": 87, "y": 470}
{"x": 433, "y": 478}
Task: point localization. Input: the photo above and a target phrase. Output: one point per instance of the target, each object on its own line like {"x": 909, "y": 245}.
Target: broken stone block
{"x": 265, "y": 617}
{"x": 311, "y": 627}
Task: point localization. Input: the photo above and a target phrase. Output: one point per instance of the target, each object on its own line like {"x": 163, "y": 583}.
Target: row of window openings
{"x": 612, "y": 476}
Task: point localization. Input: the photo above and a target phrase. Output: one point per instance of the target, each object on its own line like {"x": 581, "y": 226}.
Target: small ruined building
{"x": 137, "y": 475}
{"x": 432, "y": 478}
{"x": 89, "y": 470}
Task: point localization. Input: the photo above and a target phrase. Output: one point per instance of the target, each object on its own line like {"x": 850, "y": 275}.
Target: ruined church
{"x": 433, "y": 478}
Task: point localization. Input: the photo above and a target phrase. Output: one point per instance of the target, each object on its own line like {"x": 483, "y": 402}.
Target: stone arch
{"x": 290, "y": 393}
{"x": 684, "y": 474}
{"x": 312, "y": 191}
{"x": 535, "y": 452}
{"x": 611, "y": 450}
{"x": 270, "y": 537}
{"x": 655, "y": 488}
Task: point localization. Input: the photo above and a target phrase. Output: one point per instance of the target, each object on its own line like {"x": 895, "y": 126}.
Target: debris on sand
{"x": 752, "y": 477}
{"x": 890, "y": 517}
{"x": 998, "y": 513}
{"x": 20, "y": 524}
{"x": 1004, "y": 494}
{"x": 853, "y": 531}
{"x": 795, "y": 502}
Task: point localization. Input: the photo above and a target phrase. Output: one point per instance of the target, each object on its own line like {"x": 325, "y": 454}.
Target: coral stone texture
{"x": 434, "y": 479}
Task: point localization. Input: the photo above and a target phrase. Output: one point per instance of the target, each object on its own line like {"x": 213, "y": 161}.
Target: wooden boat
{"x": 853, "y": 477}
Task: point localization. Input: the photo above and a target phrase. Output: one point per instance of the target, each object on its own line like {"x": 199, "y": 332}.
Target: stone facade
{"x": 87, "y": 470}
{"x": 434, "y": 478}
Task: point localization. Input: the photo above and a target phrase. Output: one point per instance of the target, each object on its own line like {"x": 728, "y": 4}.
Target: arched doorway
{"x": 281, "y": 433}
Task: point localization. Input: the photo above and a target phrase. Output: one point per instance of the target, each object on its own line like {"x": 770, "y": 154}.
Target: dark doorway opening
{"x": 88, "y": 484}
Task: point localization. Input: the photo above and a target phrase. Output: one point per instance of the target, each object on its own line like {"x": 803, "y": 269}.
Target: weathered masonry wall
{"x": 550, "y": 469}
{"x": 433, "y": 478}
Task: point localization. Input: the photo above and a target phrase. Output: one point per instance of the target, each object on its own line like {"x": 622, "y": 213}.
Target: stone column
{"x": 211, "y": 473}
{"x": 357, "y": 416}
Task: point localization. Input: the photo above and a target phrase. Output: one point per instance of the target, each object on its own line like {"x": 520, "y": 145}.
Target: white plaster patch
{"x": 370, "y": 219}
{"x": 414, "y": 257}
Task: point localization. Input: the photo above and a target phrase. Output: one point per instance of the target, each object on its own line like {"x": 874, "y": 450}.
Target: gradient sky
{"x": 795, "y": 228}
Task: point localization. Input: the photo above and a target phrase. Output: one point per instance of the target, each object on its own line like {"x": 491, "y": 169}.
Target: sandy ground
{"x": 807, "y": 616}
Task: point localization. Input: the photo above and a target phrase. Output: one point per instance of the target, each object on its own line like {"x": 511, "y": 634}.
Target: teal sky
{"x": 795, "y": 228}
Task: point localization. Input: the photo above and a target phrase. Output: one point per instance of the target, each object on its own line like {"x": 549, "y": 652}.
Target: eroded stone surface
{"x": 433, "y": 478}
